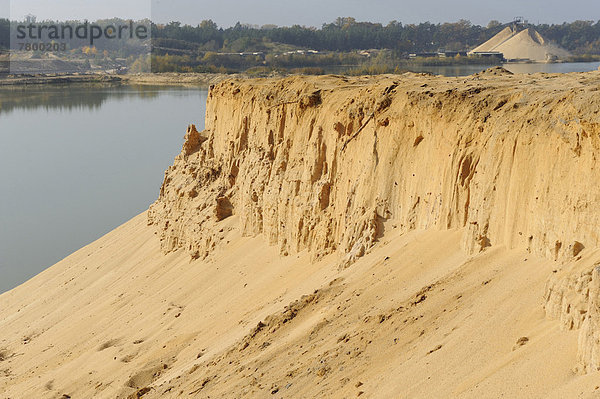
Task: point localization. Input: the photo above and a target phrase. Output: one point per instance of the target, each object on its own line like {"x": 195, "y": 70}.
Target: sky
{"x": 307, "y": 12}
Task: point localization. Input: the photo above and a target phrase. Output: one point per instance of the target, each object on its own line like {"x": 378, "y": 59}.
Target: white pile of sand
{"x": 526, "y": 44}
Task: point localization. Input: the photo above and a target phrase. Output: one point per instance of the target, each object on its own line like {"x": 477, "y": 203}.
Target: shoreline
{"x": 14, "y": 81}
{"x": 190, "y": 79}
{"x": 166, "y": 79}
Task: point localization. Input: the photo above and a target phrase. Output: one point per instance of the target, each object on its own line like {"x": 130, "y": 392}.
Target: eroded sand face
{"x": 398, "y": 236}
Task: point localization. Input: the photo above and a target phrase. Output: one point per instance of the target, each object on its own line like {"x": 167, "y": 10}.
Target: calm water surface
{"x": 77, "y": 162}
{"x": 464, "y": 70}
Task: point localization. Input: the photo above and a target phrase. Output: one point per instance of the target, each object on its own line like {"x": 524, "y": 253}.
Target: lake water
{"x": 464, "y": 70}
{"x": 77, "y": 162}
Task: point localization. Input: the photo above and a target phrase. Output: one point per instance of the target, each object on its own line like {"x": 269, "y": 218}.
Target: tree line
{"x": 347, "y": 34}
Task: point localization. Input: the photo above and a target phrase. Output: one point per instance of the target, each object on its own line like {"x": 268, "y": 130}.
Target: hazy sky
{"x": 309, "y": 12}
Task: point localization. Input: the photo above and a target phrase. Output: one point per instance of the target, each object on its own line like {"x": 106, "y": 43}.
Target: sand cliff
{"x": 418, "y": 227}
{"x": 325, "y": 162}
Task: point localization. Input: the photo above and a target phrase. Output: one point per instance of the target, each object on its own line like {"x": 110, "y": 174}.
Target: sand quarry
{"x": 523, "y": 44}
{"x": 401, "y": 236}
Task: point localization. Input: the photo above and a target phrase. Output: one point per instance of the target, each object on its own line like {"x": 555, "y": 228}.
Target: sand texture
{"x": 401, "y": 236}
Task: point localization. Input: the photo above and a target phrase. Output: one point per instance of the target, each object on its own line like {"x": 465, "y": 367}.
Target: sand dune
{"x": 389, "y": 237}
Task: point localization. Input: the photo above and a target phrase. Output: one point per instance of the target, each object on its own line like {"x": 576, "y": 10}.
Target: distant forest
{"x": 208, "y": 48}
{"x": 346, "y": 34}
{"x": 364, "y": 46}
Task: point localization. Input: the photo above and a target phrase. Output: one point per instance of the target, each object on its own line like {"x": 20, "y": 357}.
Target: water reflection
{"x": 79, "y": 161}
{"x": 71, "y": 97}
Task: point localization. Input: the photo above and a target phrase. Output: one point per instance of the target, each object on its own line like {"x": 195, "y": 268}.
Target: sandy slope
{"x": 93, "y": 306}
{"x": 414, "y": 318}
